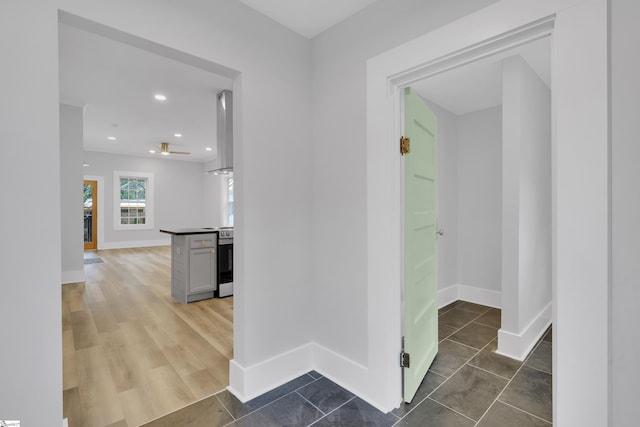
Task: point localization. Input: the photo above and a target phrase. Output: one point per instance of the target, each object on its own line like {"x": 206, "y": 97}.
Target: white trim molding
{"x": 74, "y": 276}
{"x": 472, "y": 294}
{"x": 148, "y": 212}
{"x": 247, "y": 383}
{"x": 135, "y": 244}
{"x": 578, "y": 31}
{"x": 517, "y": 345}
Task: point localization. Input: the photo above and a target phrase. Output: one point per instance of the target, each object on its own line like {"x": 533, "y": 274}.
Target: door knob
{"x": 440, "y": 232}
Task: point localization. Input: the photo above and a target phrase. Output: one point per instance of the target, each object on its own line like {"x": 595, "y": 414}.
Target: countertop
{"x": 184, "y": 231}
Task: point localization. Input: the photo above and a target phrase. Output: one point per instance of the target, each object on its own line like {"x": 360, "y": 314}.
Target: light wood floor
{"x": 130, "y": 352}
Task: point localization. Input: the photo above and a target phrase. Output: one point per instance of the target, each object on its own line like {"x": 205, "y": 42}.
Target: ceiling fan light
{"x": 164, "y": 153}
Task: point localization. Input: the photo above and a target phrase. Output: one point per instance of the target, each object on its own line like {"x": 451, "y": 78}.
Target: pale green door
{"x": 420, "y": 248}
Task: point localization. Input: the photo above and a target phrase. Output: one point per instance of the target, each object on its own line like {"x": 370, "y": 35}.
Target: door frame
{"x": 579, "y": 40}
{"x": 94, "y": 215}
{"x": 100, "y": 224}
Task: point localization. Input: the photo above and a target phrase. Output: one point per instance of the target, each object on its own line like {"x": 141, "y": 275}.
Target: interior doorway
{"x": 90, "y": 214}
{"x": 579, "y": 42}
{"x": 182, "y": 353}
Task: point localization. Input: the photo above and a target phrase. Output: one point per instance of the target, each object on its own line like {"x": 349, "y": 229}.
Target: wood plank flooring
{"x": 130, "y": 352}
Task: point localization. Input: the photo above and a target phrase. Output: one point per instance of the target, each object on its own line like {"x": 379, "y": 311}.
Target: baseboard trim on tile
{"x": 134, "y": 244}
{"x": 336, "y": 367}
{"x": 518, "y": 345}
{"x": 447, "y": 295}
{"x": 246, "y": 383}
{"x": 480, "y": 296}
{"x": 73, "y": 276}
{"x": 470, "y": 294}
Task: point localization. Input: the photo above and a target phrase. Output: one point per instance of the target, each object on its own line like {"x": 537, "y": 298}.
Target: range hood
{"x": 225, "y": 134}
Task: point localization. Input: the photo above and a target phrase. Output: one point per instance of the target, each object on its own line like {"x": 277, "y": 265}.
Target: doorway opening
{"x": 90, "y": 214}
{"x": 494, "y": 163}
{"x": 579, "y": 156}
{"x": 142, "y": 345}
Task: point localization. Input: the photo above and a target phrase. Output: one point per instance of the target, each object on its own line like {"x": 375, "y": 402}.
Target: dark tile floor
{"x": 467, "y": 385}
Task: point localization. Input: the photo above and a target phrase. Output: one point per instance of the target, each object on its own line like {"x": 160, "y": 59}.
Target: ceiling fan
{"x": 164, "y": 150}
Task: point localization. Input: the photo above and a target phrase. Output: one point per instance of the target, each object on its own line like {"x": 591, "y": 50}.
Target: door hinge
{"x": 405, "y": 360}
{"x": 405, "y": 145}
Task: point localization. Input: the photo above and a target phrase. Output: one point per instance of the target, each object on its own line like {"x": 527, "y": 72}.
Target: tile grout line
{"x": 322, "y": 412}
{"x": 487, "y": 371}
{"x": 225, "y": 408}
{"x": 509, "y": 383}
{"x": 453, "y": 410}
{"x": 522, "y": 410}
{"x": 274, "y": 400}
{"x": 445, "y": 381}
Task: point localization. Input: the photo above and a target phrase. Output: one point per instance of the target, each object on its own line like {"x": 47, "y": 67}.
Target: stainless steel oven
{"x": 225, "y": 262}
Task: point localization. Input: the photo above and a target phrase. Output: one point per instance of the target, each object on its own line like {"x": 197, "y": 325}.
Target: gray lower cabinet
{"x": 193, "y": 266}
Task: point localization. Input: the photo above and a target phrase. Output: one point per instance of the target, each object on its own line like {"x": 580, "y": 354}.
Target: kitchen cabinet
{"x": 193, "y": 266}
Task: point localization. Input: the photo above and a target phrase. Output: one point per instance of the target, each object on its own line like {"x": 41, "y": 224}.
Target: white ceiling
{"x": 478, "y": 85}
{"x": 116, "y": 84}
{"x": 308, "y": 17}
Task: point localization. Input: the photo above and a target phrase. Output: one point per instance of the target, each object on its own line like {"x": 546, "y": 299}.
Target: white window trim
{"x": 116, "y": 201}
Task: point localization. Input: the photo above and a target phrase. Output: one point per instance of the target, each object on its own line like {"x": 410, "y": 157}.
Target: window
{"x": 227, "y": 203}
{"x": 133, "y": 200}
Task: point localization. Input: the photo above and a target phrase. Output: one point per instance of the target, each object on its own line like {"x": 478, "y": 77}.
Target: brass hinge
{"x": 405, "y": 145}
{"x": 405, "y": 360}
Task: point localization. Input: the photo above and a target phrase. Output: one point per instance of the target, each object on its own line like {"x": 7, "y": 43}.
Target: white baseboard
{"x": 74, "y": 276}
{"x": 65, "y": 422}
{"x": 245, "y": 383}
{"x": 480, "y": 296}
{"x": 248, "y": 383}
{"x": 470, "y": 294}
{"x": 518, "y": 345}
{"x": 334, "y": 366}
{"x": 134, "y": 244}
{"x": 447, "y": 295}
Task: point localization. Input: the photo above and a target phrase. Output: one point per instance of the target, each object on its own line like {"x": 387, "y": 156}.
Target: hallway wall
{"x": 275, "y": 65}
{"x": 339, "y": 58}
{"x": 526, "y": 208}
{"x": 71, "y": 233}
{"x": 480, "y": 200}
{"x": 625, "y": 199}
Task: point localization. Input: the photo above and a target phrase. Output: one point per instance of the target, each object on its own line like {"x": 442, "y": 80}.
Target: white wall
{"x": 625, "y": 291}
{"x": 581, "y": 221}
{"x": 72, "y": 234}
{"x": 526, "y": 208}
{"x": 178, "y": 197}
{"x": 480, "y": 199}
{"x": 339, "y": 163}
{"x": 272, "y": 286}
{"x": 31, "y": 362}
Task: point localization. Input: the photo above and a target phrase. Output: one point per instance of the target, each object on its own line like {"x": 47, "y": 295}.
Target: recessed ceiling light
{"x": 111, "y": 138}
{"x": 85, "y": 164}
{"x": 208, "y": 148}
{"x": 177, "y": 135}
{"x": 160, "y": 97}
{"x": 152, "y": 151}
